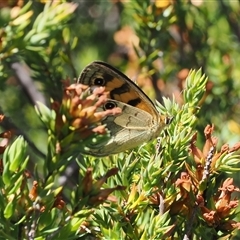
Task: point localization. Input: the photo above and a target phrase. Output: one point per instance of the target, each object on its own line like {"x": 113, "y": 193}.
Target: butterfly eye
{"x": 99, "y": 81}
{"x": 168, "y": 120}
{"x": 109, "y": 105}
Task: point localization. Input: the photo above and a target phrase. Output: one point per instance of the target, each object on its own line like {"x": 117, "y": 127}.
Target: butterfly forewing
{"x": 119, "y": 86}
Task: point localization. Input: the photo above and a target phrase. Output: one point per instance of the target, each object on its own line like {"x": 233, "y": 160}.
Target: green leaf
{"x": 46, "y": 115}
{"x": 25, "y": 7}
{"x": 39, "y": 37}
{"x": 9, "y": 209}
{"x": 195, "y": 87}
{"x": 6, "y": 176}
{"x": 66, "y": 35}
{"x": 17, "y": 184}
{"x": 17, "y": 152}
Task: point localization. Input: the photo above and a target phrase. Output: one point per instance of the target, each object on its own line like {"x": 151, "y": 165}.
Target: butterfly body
{"x": 139, "y": 120}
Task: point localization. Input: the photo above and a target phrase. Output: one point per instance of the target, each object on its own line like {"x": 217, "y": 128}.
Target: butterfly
{"x": 139, "y": 120}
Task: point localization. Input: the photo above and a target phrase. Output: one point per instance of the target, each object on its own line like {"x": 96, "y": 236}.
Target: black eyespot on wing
{"x": 109, "y": 105}
{"x": 99, "y": 81}
{"x": 103, "y": 80}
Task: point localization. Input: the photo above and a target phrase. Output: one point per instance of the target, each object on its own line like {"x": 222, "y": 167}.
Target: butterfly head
{"x": 168, "y": 120}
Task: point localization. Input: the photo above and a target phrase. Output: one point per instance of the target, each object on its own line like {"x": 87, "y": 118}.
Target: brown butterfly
{"x": 139, "y": 121}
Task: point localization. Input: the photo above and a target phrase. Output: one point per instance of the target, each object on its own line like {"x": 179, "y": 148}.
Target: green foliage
{"x": 166, "y": 189}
